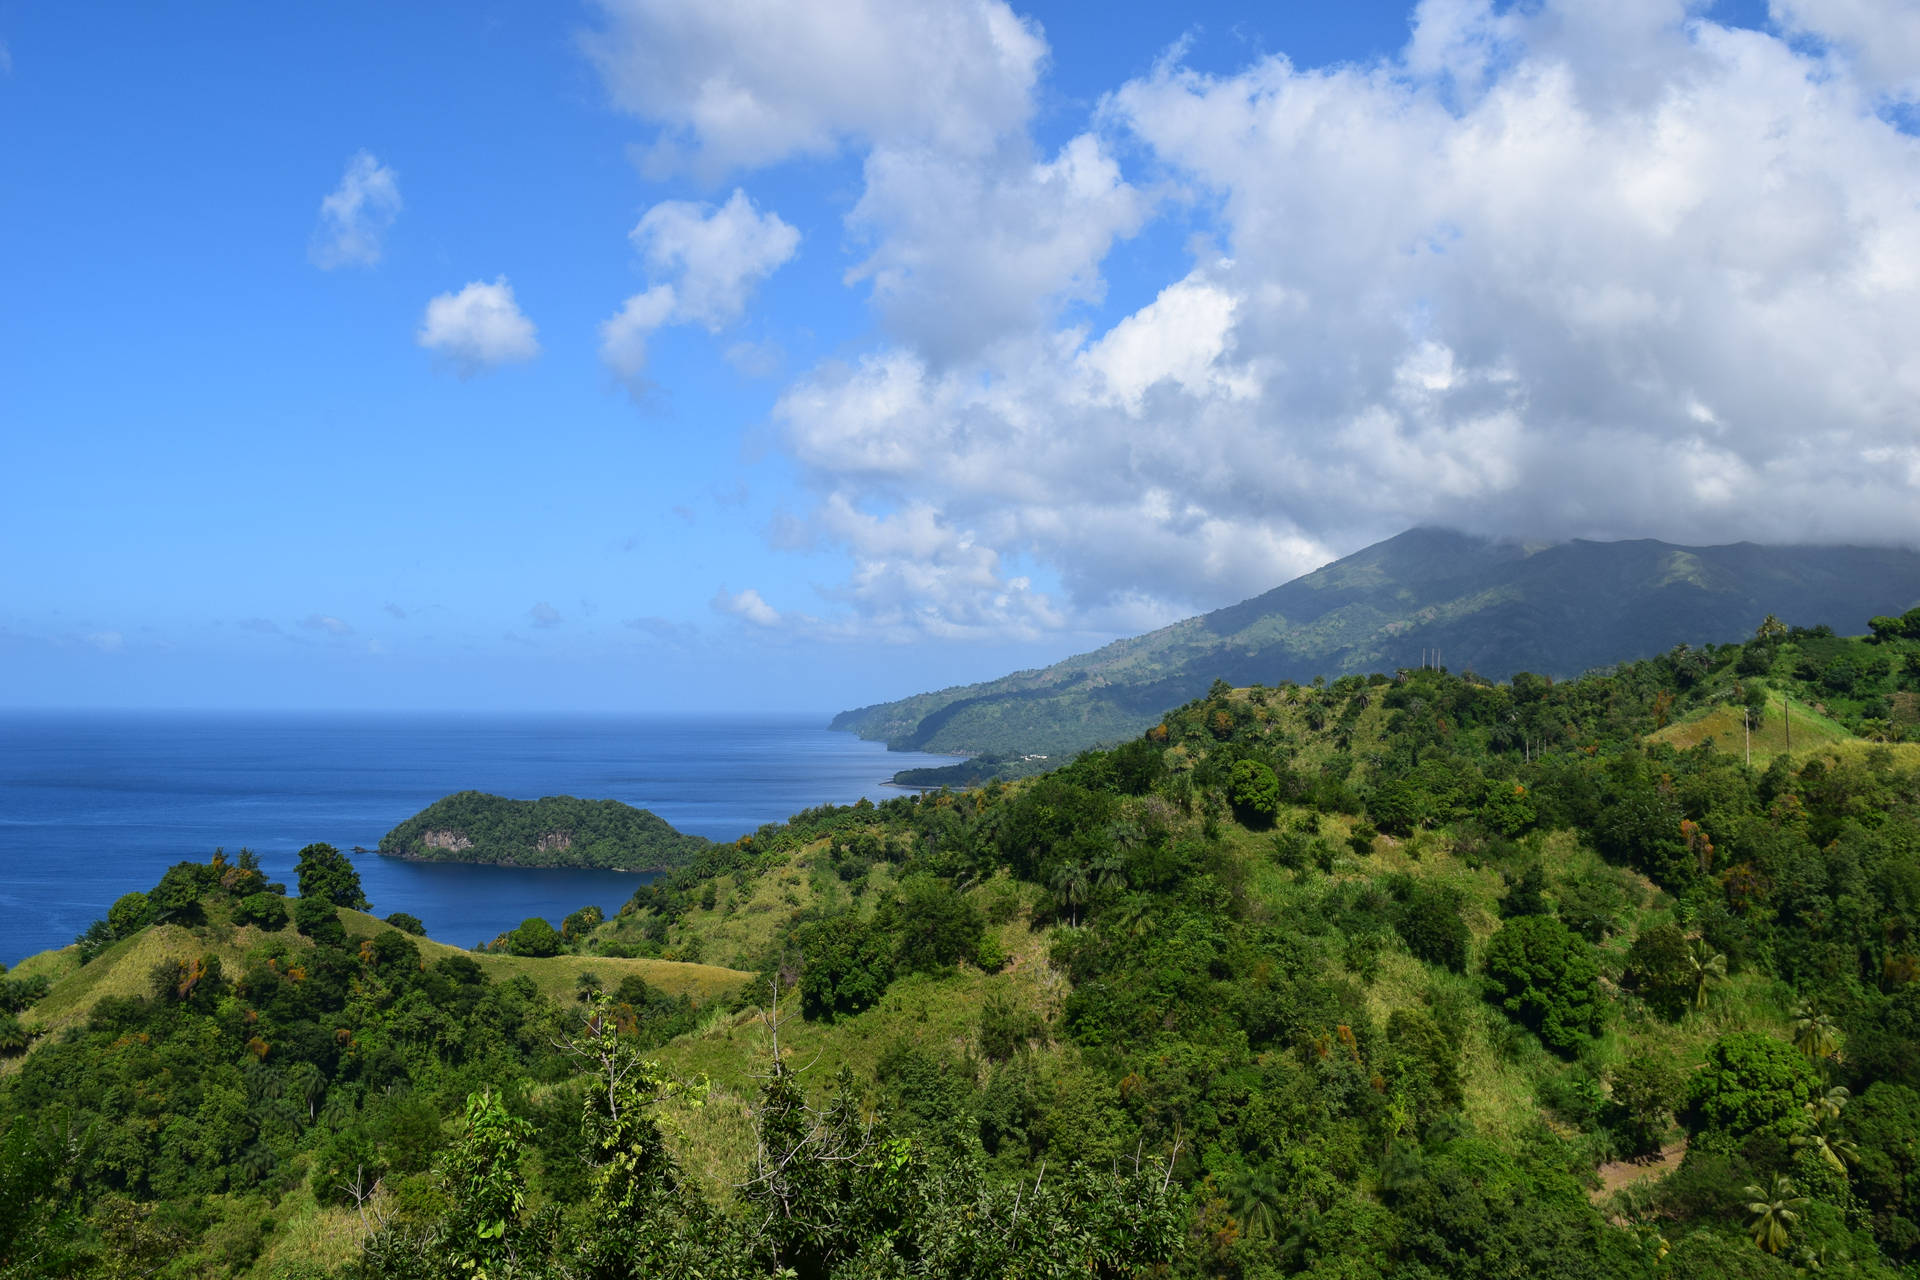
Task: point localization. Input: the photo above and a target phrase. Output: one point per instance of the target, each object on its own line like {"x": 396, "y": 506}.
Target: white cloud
{"x": 715, "y": 256}
{"x": 1879, "y": 38}
{"x": 707, "y": 262}
{"x": 544, "y": 616}
{"x": 747, "y": 604}
{"x": 967, "y": 250}
{"x": 355, "y": 215}
{"x": 623, "y": 338}
{"x": 107, "y": 641}
{"x": 1556, "y": 269}
{"x": 1563, "y": 270}
{"x": 478, "y": 328}
{"x": 738, "y": 83}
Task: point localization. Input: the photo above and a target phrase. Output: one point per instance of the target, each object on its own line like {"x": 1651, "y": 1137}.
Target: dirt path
{"x": 1623, "y": 1173}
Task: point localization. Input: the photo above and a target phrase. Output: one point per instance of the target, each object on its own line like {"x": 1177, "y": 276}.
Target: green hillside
{"x": 1486, "y": 606}
{"x": 555, "y": 831}
{"x": 1409, "y": 976}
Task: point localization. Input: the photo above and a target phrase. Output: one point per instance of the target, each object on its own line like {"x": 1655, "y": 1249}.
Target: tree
{"x": 534, "y": 937}
{"x": 265, "y": 910}
{"x": 129, "y": 914}
{"x": 317, "y": 919}
{"x": 325, "y": 873}
{"x": 1254, "y": 792}
{"x": 1775, "y": 1211}
{"x": 1430, "y": 923}
{"x": 1707, "y": 969}
{"x": 1544, "y": 977}
{"x": 1646, "y": 1089}
{"x": 1751, "y": 1084}
{"x": 408, "y": 923}
{"x": 1660, "y": 970}
{"x": 485, "y": 1190}
{"x": 1815, "y": 1033}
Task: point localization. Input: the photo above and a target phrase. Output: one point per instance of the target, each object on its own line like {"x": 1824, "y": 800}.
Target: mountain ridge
{"x": 1491, "y": 605}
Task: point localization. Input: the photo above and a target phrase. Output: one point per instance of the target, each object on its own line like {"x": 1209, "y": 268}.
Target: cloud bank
{"x": 1569, "y": 270}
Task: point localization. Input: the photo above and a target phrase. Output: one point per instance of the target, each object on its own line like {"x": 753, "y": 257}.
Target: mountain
{"x": 1490, "y": 606}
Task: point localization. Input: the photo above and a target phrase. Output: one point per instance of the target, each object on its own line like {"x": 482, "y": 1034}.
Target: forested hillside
{"x": 1407, "y": 975}
{"x": 1483, "y": 605}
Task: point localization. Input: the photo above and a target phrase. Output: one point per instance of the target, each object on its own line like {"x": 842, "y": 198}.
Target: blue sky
{"x": 958, "y": 336}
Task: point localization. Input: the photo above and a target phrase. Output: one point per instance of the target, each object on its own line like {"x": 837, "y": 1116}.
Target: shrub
{"x": 406, "y": 923}
{"x": 266, "y": 910}
{"x": 316, "y": 918}
{"x": 1429, "y": 922}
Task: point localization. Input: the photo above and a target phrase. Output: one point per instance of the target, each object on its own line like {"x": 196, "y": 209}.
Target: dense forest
{"x": 1400, "y": 975}
{"x": 554, "y": 831}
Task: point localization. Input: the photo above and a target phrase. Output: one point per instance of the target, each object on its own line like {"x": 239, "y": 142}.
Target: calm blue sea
{"x": 92, "y": 805}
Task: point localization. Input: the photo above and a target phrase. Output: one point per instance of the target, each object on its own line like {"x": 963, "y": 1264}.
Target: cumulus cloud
{"x": 966, "y": 250}
{"x": 544, "y": 616}
{"x": 746, "y": 604}
{"x": 1574, "y": 270}
{"x": 478, "y": 328}
{"x": 1562, "y": 269}
{"x": 355, "y": 216}
{"x": 706, "y": 262}
{"x": 736, "y": 83}
{"x": 715, "y": 256}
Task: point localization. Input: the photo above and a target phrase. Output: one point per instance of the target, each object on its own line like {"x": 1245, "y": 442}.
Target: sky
{"x": 735, "y": 355}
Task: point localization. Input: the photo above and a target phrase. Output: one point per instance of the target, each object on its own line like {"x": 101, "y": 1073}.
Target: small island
{"x": 554, "y": 831}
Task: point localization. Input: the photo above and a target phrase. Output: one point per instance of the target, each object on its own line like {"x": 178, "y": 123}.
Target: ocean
{"x": 95, "y": 804}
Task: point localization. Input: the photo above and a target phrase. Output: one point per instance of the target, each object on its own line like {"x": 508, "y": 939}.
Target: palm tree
{"x": 1708, "y": 969}
{"x": 1254, "y": 1202}
{"x": 1072, "y": 885}
{"x": 1829, "y": 1104}
{"x": 1819, "y": 1137}
{"x": 1815, "y": 1033}
{"x": 1776, "y": 1210}
{"x": 307, "y": 1084}
{"x": 1302, "y": 1243}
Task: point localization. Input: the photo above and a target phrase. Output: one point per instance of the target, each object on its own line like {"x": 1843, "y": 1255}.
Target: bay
{"x": 93, "y": 805}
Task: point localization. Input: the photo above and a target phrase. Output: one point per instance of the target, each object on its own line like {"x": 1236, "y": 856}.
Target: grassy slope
{"x": 123, "y": 968}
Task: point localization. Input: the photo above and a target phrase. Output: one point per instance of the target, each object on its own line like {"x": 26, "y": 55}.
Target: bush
{"x": 1659, "y": 972}
{"x": 406, "y": 923}
{"x": 1647, "y": 1088}
{"x": 1545, "y": 978}
{"x": 1429, "y": 922}
{"x": 266, "y": 910}
{"x": 316, "y": 918}
{"x": 129, "y": 914}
